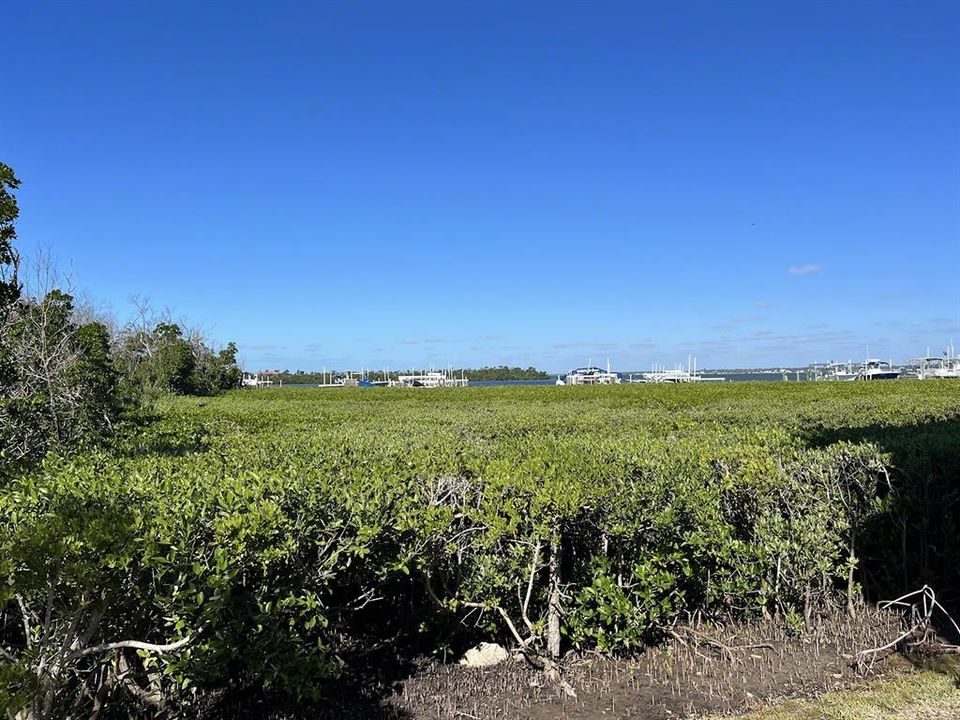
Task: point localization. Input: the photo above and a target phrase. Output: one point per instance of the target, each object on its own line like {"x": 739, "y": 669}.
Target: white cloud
{"x": 805, "y": 269}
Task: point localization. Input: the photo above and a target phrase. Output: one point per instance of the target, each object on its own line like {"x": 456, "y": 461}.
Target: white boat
{"x": 590, "y": 376}
{"x": 675, "y": 375}
{"x": 938, "y": 368}
{"x": 834, "y": 371}
{"x": 258, "y": 379}
{"x": 934, "y": 367}
{"x": 878, "y": 370}
{"x": 431, "y": 379}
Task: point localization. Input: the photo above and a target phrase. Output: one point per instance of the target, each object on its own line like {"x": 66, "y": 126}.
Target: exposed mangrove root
{"x": 921, "y": 605}
{"x": 687, "y": 635}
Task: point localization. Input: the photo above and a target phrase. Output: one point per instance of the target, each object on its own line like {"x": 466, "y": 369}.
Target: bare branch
{"x": 133, "y": 644}
{"x": 506, "y": 618}
{"x": 533, "y": 573}
{"x": 26, "y": 615}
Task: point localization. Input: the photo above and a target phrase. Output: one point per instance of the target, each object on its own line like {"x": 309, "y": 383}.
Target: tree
{"x": 9, "y": 260}
{"x": 63, "y": 388}
{"x": 57, "y": 380}
{"x": 174, "y": 361}
{"x": 158, "y": 357}
{"x": 228, "y": 373}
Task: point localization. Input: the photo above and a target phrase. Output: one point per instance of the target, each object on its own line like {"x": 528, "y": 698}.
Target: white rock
{"x": 484, "y": 655}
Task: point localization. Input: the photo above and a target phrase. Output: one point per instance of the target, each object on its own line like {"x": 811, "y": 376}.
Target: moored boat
{"x": 837, "y": 372}
{"x": 590, "y": 376}
{"x": 939, "y": 367}
{"x": 878, "y": 370}
{"x": 675, "y": 375}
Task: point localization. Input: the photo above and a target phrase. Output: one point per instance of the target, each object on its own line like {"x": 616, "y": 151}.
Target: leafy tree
{"x": 174, "y": 364}
{"x": 63, "y": 386}
{"x": 9, "y": 260}
{"x": 227, "y": 371}
{"x": 96, "y": 371}
{"x": 162, "y": 360}
{"x": 58, "y": 385}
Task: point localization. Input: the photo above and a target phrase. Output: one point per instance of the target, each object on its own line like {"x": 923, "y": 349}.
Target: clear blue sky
{"x": 406, "y": 183}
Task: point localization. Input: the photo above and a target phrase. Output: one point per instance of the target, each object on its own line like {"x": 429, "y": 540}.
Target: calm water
{"x": 730, "y": 377}
{"x": 755, "y": 377}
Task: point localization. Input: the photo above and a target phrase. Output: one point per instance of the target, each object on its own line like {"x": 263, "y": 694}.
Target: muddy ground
{"x": 701, "y": 670}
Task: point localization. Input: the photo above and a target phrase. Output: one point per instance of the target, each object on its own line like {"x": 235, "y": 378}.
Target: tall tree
{"x": 58, "y": 385}
{"x": 9, "y": 211}
{"x": 9, "y": 260}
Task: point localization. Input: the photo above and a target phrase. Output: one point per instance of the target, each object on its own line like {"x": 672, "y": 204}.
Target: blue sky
{"x": 400, "y": 184}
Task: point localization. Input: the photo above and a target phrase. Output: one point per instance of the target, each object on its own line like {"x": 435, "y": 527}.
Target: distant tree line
{"x": 501, "y": 372}
{"x": 68, "y": 375}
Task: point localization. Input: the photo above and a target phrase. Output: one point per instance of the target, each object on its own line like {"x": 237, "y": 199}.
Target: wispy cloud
{"x": 586, "y": 344}
{"x": 420, "y": 341}
{"x": 828, "y": 337}
{"x": 258, "y": 347}
{"x": 763, "y": 305}
{"x": 804, "y": 269}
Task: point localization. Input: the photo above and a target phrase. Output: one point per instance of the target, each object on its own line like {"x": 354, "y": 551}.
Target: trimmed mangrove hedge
{"x": 277, "y": 539}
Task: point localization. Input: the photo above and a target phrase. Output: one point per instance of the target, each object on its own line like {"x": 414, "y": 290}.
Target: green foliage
{"x": 61, "y": 388}
{"x": 172, "y": 365}
{"x": 57, "y": 380}
{"x": 503, "y": 372}
{"x": 9, "y": 287}
{"x": 225, "y": 372}
{"x": 8, "y": 233}
{"x": 286, "y": 532}
{"x": 161, "y": 360}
